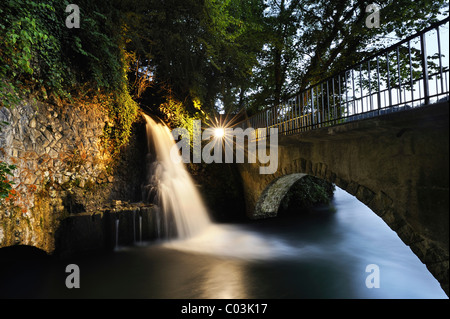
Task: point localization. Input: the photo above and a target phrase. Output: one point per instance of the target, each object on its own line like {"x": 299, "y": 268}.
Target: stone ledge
{"x": 90, "y": 232}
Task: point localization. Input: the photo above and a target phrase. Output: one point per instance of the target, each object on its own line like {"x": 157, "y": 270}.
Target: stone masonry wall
{"x": 62, "y": 169}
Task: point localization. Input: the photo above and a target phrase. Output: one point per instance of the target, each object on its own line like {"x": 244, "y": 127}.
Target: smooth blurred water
{"x": 171, "y": 187}
{"x": 322, "y": 254}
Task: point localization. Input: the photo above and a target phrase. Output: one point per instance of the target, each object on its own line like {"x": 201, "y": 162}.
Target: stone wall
{"x": 62, "y": 169}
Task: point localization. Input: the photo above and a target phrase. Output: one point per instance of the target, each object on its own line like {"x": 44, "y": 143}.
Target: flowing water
{"x": 323, "y": 253}
{"x": 320, "y": 254}
{"x": 171, "y": 187}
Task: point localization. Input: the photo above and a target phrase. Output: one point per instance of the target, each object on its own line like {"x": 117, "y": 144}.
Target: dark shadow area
{"x": 20, "y": 271}
{"x": 72, "y": 204}
{"x": 306, "y": 195}
{"x": 130, "y": 171}
{"x": 221, "y": 189}
{"x": 20, "y": 253}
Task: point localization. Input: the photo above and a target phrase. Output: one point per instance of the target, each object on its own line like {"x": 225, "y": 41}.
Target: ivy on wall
{"x": 5, "y": 182}
{"x": 41, "y": 58}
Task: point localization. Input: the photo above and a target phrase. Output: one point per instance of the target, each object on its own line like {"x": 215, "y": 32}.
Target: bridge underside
{"x": 396, "y": 164}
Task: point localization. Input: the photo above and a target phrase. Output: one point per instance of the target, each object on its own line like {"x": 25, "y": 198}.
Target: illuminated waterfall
{"x": 182, "y": 211}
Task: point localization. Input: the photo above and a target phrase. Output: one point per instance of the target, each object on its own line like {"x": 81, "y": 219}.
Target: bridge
{"x": 378, "y": 130}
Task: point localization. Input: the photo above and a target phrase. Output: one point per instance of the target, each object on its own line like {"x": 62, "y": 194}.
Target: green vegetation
{"x": 201, "y": 55}
{"x": 5, "y": 183}
{"x": 186, "y": 59}
{"x": 5, "y": 171}
{"x": 234, "y": 54}
{"x": 193, "y": 52}
{"x": 43, "y": 58}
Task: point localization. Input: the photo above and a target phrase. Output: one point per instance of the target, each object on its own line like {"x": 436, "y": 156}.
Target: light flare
{"x": 219, "y": 132}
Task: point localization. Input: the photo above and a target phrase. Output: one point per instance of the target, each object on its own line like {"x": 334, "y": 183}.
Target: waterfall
{"x": 169, "y": 185}
{"x": 181, "y": 214}
{"x": 134, "y": 226}
{"x": 117, "y": 233}
{"x": 140, "y": 228}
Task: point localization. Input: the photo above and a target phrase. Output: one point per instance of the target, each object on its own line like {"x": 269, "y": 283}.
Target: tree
{"x": 197, "y": 52}
{"x": 313, "y": 39}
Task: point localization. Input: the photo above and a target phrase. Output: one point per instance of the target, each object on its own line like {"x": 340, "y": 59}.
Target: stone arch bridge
{"x": 396, "y": 164}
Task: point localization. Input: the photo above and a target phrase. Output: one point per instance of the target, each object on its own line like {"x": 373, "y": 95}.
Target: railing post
{"x": 299, "y": 124}
{"x": 346, "y": 93}
{"x": 361, "y": 88}
{"x": 441, "y": 73}
{"x": 388, "y": 79}
{"x": 354, "y": 92}
{"x": 370, "y": 86}
{"x": 328, "y": 104}
{"x": 340, "y": 96}
{"x": 399, "y": 77}
{"x": 334, "y": 103}
{"x": 423, "y": 52}
{"x": 312, "y": 106}
{"x": 323, "y": 103}
{"x": 378, "y": 82}
{"x": 411, "y": 78}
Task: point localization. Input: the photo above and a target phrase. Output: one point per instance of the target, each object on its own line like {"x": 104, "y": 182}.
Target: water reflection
{"x": 225, "y": 280}
{"x": 236, "y": 242}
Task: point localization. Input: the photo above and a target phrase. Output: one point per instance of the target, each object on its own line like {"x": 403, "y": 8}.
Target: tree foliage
{"x": 195, "y": 52}
{"x": 232, "y": 54}
{"x": 187, "y": 58}
{"x": 204, "y": 55}
{"x": 309, "y": 40}
{"x": 41, "y": 56}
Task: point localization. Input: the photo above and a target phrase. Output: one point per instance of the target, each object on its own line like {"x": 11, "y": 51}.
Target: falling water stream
{"x": 183, "y": 213}
{"x": 117, "y": 224}
{"x": 140, "y": 229}
{"x": 183, "y": 217}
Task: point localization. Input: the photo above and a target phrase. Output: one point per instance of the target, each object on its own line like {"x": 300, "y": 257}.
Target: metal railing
{"x": 408, "y": 74}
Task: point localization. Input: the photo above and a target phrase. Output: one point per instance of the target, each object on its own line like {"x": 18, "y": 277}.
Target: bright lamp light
{"x": 219, "y": 132}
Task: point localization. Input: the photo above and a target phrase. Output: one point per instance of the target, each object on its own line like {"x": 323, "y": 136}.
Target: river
{"x": 320, "y": 254}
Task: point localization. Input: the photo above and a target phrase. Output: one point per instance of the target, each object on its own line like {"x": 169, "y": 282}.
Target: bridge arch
{"x": 395, "y": 164}
{"x": 269, "y": 201}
